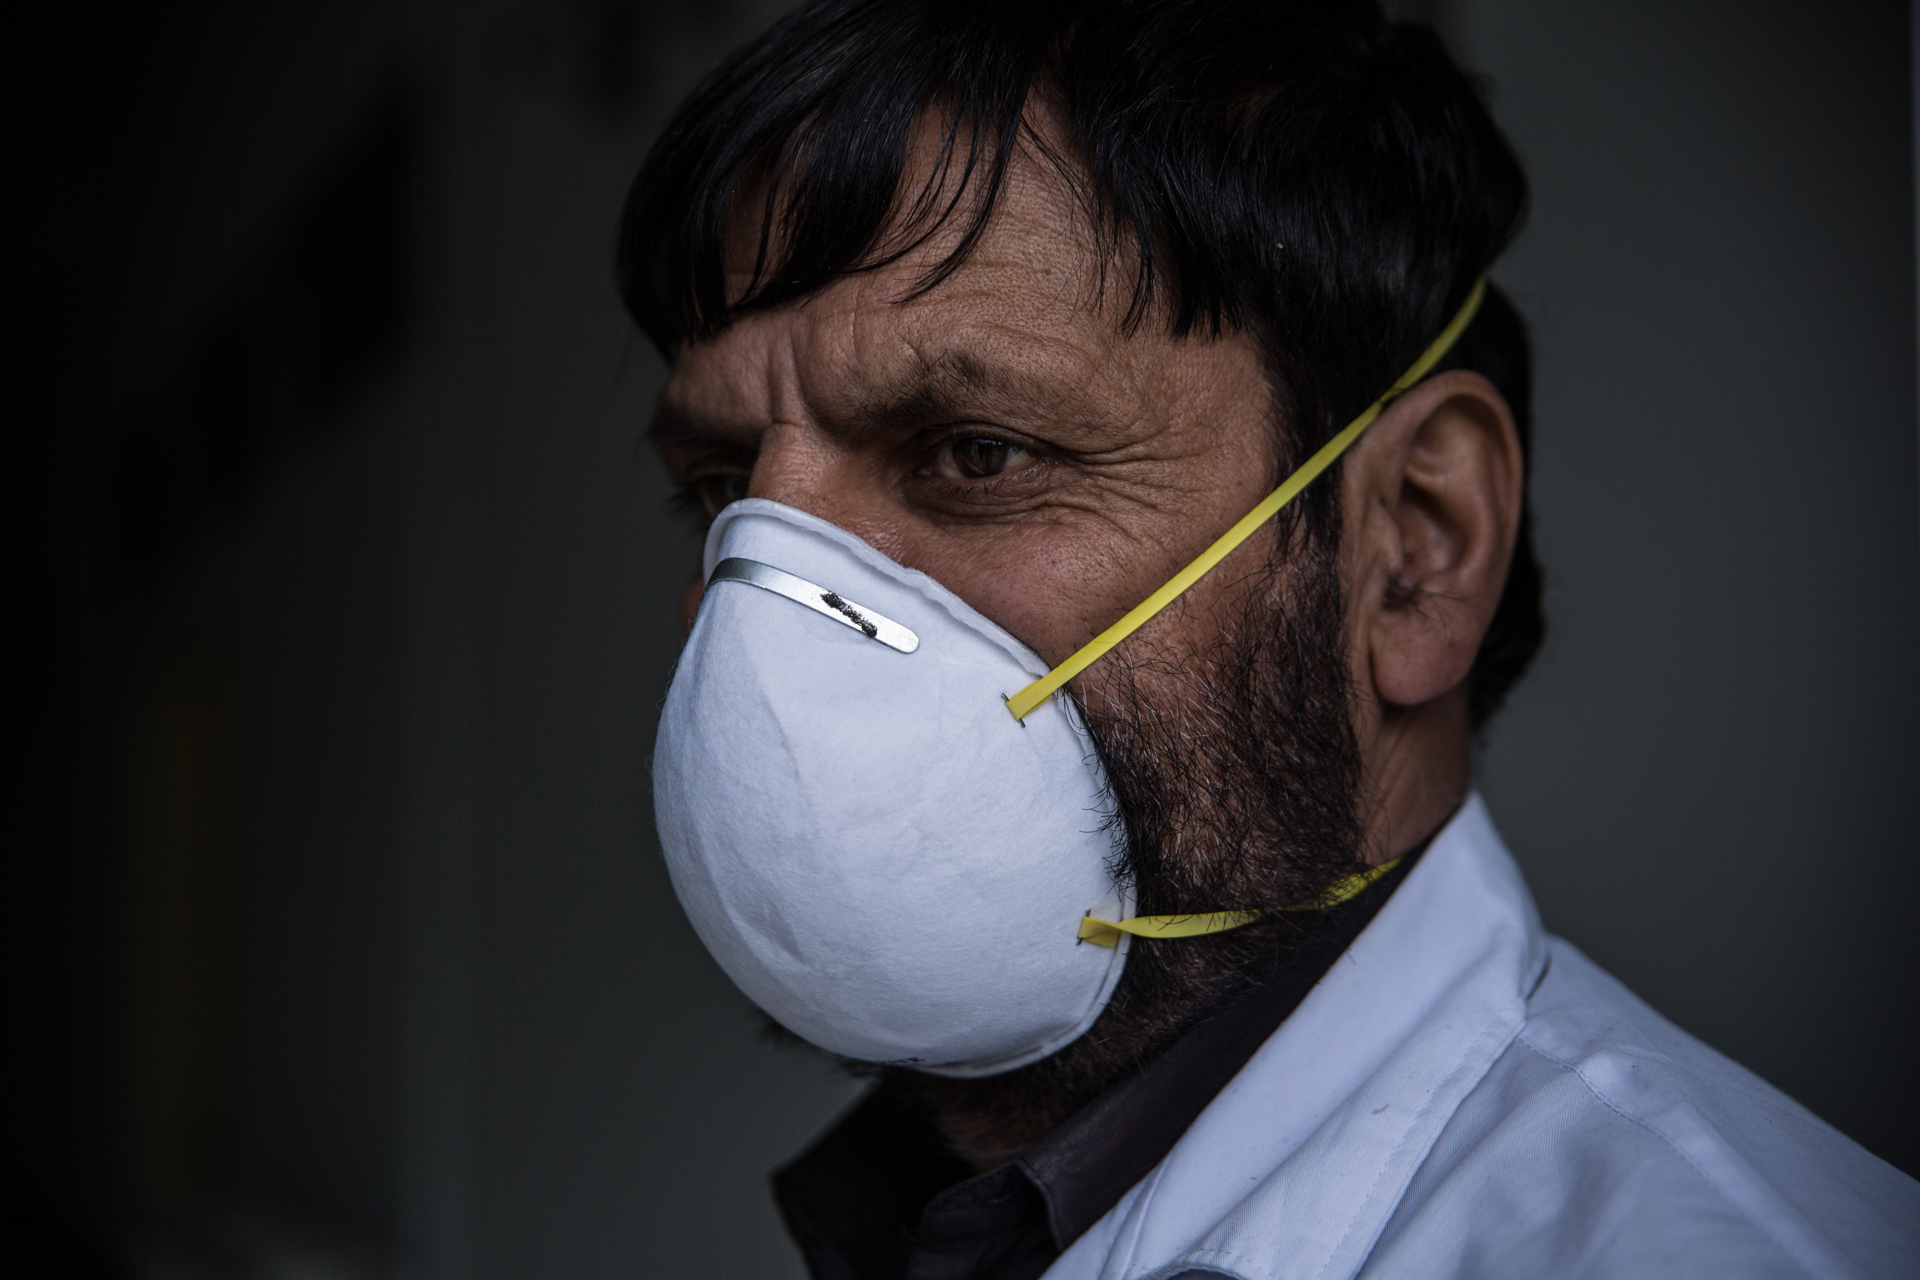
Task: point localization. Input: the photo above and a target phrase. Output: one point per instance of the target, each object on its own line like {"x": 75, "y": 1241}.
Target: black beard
{"x": 1234, "y": 777}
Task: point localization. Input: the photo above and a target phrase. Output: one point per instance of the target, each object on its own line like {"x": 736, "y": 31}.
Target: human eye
{"x": 703, "y": 496}
{"x": 978, "y": 457}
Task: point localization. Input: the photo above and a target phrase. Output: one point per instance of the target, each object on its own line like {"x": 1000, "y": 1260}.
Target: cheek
{"x": 1052, "y": 587}
{"x": 1057, "y": 582}
{"x": 1017, "y": 580}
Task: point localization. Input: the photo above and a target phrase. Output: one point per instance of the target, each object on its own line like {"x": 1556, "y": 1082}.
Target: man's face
{"x": 999, "y": 434}
{"x": 1002, "y": 435}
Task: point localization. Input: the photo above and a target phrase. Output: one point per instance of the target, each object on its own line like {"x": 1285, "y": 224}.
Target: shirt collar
{"x": 1296, "y": 1165}
{"x": 1085, "y": 1166}
{"x": 881, "y": 1187}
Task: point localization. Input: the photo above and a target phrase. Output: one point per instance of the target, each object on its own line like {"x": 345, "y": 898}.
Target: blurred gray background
{"x": 344, "y": 599}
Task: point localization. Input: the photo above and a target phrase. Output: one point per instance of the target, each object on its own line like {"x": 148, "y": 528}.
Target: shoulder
{"x": 1605, "y": 1141}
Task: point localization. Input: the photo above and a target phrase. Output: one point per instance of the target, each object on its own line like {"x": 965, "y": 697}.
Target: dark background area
{"x": 341, "y": 598}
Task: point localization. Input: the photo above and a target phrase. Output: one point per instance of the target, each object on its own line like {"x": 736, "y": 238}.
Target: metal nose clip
{"x": 827, "y": 603}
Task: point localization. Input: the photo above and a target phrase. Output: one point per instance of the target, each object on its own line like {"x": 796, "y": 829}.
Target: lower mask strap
{"x": 1106, "y": 933}
{"x": 1024, "y": 702}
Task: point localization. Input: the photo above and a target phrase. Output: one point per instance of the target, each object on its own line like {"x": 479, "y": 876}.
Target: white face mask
{"x": 879, "y": 855}
{"x": 878, "y": 818}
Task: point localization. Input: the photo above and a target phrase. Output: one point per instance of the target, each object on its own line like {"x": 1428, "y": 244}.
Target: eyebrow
{"x": 938, "y": 389}
{"x": 675, "y": 426}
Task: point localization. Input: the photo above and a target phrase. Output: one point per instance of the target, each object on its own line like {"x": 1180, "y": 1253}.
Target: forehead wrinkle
{"x": 1046, "y": 351}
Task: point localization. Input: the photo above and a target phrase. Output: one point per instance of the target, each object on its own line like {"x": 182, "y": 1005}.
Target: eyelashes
{"x": 964, "y": 469}
{"x": 979, "y": 458}
{"x": 702, "y": 498}
{"x": 971, "y": 455}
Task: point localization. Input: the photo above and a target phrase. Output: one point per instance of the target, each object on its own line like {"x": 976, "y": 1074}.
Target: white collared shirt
{"x": 1463, "y": 1095}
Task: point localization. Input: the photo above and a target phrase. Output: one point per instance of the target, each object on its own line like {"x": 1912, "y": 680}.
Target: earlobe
{"x": 1441, "y": 488}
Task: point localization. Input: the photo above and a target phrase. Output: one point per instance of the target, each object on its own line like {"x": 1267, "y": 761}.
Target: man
{"x": 1115, "y": 468}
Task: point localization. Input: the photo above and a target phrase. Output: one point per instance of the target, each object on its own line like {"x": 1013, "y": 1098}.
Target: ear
{"x": 1433, "y": 498}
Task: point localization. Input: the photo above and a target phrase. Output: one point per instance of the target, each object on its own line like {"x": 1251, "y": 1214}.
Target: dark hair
{"x": 1300, "y": 171}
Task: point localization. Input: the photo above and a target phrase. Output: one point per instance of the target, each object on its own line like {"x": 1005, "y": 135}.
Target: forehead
{"x": 1030, "y": 304}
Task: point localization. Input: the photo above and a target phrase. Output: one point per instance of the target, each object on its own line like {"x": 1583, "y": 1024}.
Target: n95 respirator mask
{"x": 876, "y": 852}
{"x": 881, "y": 820}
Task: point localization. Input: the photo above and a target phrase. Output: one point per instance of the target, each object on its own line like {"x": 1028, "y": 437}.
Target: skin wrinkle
{"x": 1298, "y": 713}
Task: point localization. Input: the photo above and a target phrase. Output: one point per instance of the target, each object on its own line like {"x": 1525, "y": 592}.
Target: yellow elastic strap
{"x": 1023, "y": 702}
{"x": 1107, "y": 933}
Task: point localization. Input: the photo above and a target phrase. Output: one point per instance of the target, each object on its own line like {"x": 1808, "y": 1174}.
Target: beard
{"x": 1234, "y": 779}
